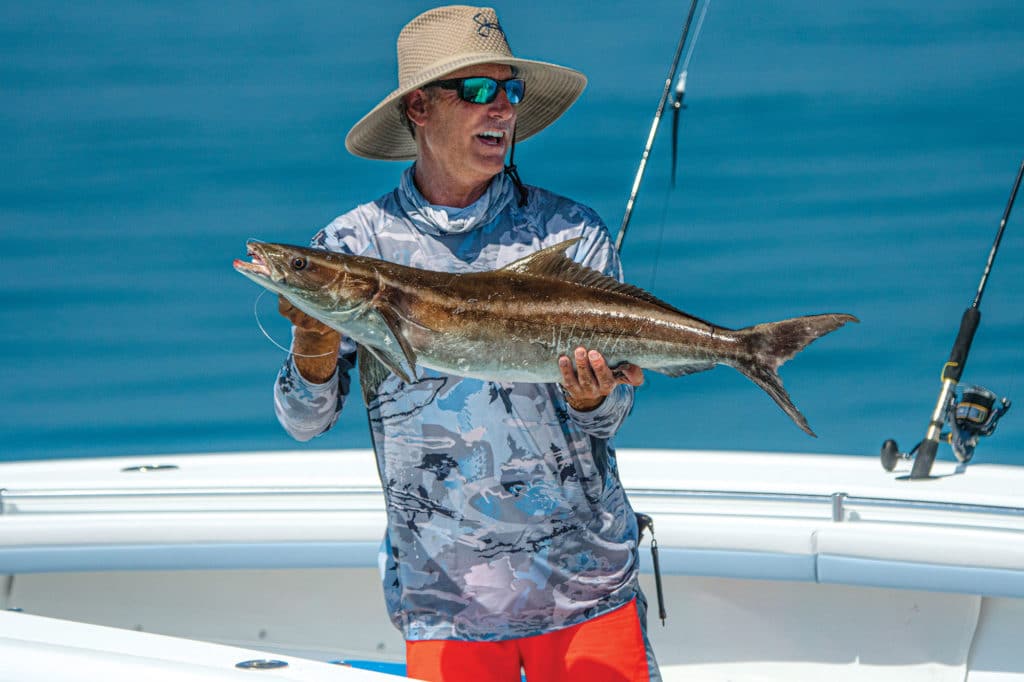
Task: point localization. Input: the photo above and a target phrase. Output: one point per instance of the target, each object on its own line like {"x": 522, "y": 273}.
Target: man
{"x": 510, "y": 541}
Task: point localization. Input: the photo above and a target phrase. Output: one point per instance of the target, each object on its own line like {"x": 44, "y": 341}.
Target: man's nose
{"x": 501, "y": 107}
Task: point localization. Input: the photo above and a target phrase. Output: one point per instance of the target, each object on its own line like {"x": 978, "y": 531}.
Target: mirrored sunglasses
{"x": 483, "y": 90}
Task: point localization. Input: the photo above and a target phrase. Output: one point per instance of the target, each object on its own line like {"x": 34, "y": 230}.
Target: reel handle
{"x": 890, "y": 454}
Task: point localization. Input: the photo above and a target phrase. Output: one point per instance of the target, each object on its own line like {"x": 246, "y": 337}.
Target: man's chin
{"x": 491, "y": 164}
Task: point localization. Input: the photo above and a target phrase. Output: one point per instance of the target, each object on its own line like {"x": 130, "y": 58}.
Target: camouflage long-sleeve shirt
{"x": 506, "y": 517}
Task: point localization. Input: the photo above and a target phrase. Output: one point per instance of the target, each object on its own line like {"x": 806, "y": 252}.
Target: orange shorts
{"x": 609, "y": 648}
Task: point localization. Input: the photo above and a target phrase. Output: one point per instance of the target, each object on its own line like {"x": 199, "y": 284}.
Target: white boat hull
{"x": 775, "y": 566}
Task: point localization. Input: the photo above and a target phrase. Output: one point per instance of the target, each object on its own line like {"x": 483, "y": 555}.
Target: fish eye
{"x": 298, "y": 263}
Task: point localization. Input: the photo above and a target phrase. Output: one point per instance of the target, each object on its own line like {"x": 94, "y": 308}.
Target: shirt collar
{"x": 438, "y": 220}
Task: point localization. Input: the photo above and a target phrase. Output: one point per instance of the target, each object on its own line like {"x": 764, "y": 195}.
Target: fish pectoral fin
{"x": 683, "y": 369}
{"x": 391, "y": 354}
{"x": 394, "y": 324}
{"x": 397, "y": 320}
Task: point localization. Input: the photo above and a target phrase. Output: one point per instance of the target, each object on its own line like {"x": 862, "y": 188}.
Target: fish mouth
{"x": 257, "y": 265}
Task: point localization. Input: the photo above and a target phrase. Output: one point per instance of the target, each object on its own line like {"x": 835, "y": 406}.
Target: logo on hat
{"x": 483, "y": 26}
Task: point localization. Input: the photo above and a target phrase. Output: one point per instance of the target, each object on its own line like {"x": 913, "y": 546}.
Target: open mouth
{"x": 492, "y": 138}
{"x": 256, "y": 266}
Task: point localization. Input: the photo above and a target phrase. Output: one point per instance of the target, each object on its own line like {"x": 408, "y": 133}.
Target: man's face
{"x": 459, "y": 136}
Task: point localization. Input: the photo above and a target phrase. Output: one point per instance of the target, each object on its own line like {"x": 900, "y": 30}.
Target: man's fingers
{"x": 584, "y": 372}
{"x": 568, "y": 374}
{"x": 628, "y": 373}
{"x": 299, "y": 318}
{"x": 285, "y": 307}
{"x": 606, "y": 380}
{"x": 587, "y": 378}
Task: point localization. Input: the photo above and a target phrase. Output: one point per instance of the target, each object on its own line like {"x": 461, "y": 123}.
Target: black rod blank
{"x": 999, "y": 238}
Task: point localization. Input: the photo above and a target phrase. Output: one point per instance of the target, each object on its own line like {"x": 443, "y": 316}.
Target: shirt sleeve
{"x": 605, "y": 419}
{"x": 597, "y": 252}
{"x": 305, "y": 409}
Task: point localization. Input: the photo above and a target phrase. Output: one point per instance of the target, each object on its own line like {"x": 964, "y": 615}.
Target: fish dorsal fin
{"x": 549, "y": 262}
{"x": 552, "y": 262}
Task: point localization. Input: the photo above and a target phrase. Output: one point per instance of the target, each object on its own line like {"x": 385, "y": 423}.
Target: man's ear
{"x": 416, "y": 107}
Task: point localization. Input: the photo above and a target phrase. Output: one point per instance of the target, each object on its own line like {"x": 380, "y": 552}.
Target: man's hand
{"x": 587, "y": 378}
{"x": 301, "y": 319}
{"x": 315, "y": 346}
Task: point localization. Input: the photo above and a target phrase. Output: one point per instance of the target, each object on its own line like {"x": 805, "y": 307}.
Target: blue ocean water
{"x": 833, "y": 157}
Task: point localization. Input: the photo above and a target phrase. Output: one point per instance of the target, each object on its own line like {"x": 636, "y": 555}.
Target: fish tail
{"x": 768, "y": 346}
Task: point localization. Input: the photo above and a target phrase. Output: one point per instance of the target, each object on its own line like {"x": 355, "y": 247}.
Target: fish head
{"x": 329, "y": 286}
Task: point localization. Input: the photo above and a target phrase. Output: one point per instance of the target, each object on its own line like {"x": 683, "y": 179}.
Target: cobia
{"x": 512, "y": 324}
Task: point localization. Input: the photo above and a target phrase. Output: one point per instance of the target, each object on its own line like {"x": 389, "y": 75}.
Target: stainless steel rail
{"x": 213, "y": 499}
{"x": 840, "y": 499}
{"x": 837, "y": 501}
{"x": 76, "y": 493}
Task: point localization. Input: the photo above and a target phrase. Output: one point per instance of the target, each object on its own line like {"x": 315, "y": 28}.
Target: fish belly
{"x": 531, "y": 354}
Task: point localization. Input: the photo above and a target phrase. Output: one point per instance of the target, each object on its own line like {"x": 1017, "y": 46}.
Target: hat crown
{"x": 440, "y": 35}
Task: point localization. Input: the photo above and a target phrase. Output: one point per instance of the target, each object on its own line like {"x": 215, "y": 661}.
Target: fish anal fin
{"x": 684, "y": 369}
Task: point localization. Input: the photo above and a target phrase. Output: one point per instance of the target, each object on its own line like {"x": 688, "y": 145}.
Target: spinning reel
{"x": 972, "y": 415}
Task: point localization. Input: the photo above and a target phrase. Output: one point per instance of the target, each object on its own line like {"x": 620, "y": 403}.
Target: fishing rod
{"x": 654, "y": 128}
{"x": 973, "y": 416}
{"x": 677, "y": 103}
{"x": 677, "y": 107}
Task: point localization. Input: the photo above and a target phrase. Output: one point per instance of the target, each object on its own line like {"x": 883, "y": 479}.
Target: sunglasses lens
{"x": 515, "y": 89}
{"x": 482, "y": 90}
{"x": 479, "y": 90}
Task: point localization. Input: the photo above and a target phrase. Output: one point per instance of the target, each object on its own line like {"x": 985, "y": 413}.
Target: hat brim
{"x": 550, "y": 91}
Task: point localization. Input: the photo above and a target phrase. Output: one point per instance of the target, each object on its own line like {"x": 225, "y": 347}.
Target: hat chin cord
{"x": 513, "y": 173}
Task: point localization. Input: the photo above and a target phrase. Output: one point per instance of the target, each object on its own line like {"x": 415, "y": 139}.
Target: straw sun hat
{"x": 446, "y": 39}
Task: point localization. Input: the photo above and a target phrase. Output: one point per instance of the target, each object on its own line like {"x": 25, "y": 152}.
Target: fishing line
{"x": 631, "y": 202}
{"x": 680, "y": 86}
{"x": 256, "y": 313}
{"x": 677, "y": 103}
{"x": 696, "y": 36}
{"x": 661, "y": 237}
